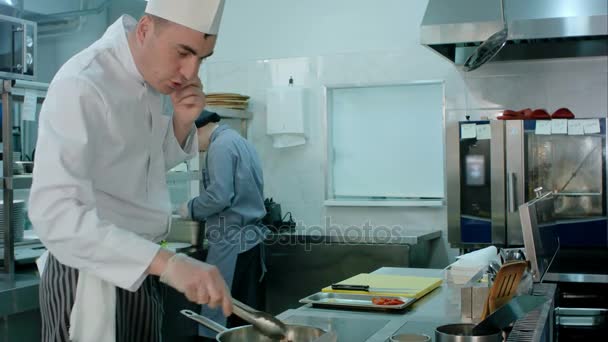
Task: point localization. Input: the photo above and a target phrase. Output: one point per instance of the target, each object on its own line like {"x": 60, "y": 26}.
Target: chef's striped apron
{"x": 138, "y": 314}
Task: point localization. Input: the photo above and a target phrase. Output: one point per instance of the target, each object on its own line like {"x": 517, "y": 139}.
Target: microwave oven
{"x": 18, "y": 48}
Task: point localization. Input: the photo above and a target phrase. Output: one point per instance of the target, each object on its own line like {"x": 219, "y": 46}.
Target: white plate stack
{"x": 18, "y": 219}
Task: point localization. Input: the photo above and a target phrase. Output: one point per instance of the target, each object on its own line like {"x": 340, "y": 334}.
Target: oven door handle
{"x": 580, "y": 317}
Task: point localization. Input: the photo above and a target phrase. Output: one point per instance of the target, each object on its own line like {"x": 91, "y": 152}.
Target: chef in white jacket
{"x": 99, "y": 200}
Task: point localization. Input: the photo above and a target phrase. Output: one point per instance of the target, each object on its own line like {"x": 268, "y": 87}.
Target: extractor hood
{"x": 538, "y": 29}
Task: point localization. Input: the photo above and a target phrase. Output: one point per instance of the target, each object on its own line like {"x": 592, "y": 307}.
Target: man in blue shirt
{"x": 231, "y": 203}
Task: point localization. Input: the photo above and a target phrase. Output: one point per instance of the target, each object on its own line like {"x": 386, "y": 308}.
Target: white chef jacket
{"x": 99, "y": 199}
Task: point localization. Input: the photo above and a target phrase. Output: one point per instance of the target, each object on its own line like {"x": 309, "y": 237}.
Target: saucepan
{"x": 295, "y": 333}
{"x": 490, "y": 329}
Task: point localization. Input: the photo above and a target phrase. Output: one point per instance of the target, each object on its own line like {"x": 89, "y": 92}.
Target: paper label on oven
{"x": 575, "y": 127}
{"x": 559, "y": 126}
{"x": 543, "y": 127}
{"x": 591, "y": 126}
{"x": 468, "y": 131}
{"x": 484, "y": 132}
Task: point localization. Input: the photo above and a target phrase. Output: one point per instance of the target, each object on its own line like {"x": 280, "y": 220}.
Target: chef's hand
{"x": 188, "y": 102}
{"x": 200, "y": 282}
{"x": 184, "y": 211}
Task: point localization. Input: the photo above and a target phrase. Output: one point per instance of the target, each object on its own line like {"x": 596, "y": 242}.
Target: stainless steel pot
{"x": 464, "y": 333}
{"x": 295, "y": 333}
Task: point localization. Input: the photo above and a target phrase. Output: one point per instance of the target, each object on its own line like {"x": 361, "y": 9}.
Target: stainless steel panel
{"x": 498, "y": 182}
{"x": 581, "y": 317}
{"x": 538, "y": 29}
{"x": 299, "y": 267}
{"x": 8, "y": 265}
{"x": 515, "y": 170}
{"x": 576, "y": 278}
{"x": 453, "y": 180}
{"x": 541, "y": 244}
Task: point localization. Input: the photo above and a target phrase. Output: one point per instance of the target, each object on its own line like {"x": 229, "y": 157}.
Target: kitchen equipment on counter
{"x": 504, "y": 287}
{"x": 490, "y": 48}
{"x": 266, "y": 323}
{"x": 414, "y": 287}
{"x": 473, "y": 298}
{"x": 186, "y": 231}
{"x": 516, "y": 308}
{"x": 354, "y": 301}
{"x": 490, "y": 174}
{"x": 295, "y": 333}
{"x": 463, "y": 332}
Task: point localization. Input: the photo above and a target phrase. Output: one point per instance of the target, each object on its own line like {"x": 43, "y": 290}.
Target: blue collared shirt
{"x": 232, "y": 191}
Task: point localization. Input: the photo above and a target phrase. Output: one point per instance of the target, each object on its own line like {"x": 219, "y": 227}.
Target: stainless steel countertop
{"x": 18, "y": 293}
{"x": 393, "y": 236}
{"x": 442, "y": 306}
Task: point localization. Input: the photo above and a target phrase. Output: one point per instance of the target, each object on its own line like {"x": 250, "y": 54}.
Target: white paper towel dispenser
{"x": 286, "y": 107}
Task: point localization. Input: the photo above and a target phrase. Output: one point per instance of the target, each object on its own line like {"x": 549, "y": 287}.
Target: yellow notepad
{"x": 414, "y": 287}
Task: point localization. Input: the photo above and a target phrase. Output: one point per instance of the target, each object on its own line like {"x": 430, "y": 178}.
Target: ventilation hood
{"x": 538, "y": 29}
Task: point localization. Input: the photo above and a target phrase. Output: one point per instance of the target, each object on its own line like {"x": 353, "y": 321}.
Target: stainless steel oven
{"x": 18, "y": 48}
{"x": 494, "y": 166}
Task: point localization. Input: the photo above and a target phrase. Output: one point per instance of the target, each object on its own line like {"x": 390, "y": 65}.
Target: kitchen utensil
{"x": 505, "y": 286}
{"x": 264, "y": 322}
{"x": 353, "y": 301}
{"x": 490, "y": 48}
{"x": 463, "y": 332}
{"x": 299, "y": 333}
{"x": 493, "y": 268}
{"x": 515, "y": 309}
{"x": 519, "y": 255}
{"x": 367, "y": 288}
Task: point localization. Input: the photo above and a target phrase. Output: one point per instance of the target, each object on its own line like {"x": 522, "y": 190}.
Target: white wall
{"x": 292, "y": 28}
{"x": 262, "y": 43}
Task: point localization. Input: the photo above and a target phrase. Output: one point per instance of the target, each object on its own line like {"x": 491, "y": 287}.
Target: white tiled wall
{"x": 295, "y": 177}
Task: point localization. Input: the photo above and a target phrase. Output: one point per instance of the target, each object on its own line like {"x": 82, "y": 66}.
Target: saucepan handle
{"x": 204, "y": 321}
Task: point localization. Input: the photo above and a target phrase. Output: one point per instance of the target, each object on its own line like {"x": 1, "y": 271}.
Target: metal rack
{"x": 12, "y": 90}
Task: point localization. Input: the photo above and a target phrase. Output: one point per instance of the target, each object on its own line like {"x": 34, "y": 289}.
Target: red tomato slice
{"x": 386, "y": 301}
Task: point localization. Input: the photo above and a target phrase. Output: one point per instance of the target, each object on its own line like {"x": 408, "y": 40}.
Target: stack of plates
{"x": 228, "y": 100}
{"x": 18, "y": 219}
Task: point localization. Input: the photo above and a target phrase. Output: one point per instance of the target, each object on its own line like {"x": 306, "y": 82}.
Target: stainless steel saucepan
{"x": 295, "y": 333}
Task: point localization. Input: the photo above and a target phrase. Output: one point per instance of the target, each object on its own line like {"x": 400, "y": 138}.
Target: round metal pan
{"x": 295, "y": 333}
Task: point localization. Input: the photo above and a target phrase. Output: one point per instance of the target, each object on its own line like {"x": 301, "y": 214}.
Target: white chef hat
{"x": 199, "y": 15}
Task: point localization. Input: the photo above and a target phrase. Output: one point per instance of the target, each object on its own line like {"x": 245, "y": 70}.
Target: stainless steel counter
{"x": 442, "y": 306}
{"x": 301, "y": 262}
{"x": 18, "y": 293}
{"x": 395, "y": 236}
